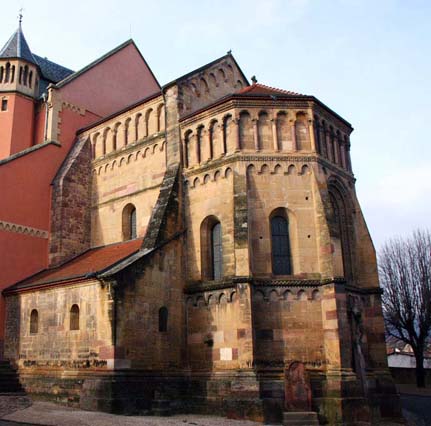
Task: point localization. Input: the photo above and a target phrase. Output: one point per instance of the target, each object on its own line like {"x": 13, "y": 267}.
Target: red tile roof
{"x": 91, "y": 261}
{"x": 261, "y": 89}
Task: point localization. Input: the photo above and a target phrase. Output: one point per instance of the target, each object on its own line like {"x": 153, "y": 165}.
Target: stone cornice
{"x": 249, "y": 158}
{"x": 205, "y": 286}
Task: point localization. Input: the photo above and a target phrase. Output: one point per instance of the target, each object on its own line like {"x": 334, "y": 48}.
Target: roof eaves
{"x": 43, "y": 284}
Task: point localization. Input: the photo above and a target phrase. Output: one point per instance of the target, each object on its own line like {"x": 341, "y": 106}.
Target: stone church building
{"x": 178, "y": 248}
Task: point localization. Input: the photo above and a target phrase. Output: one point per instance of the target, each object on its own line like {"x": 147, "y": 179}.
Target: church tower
{"x": 19, "y": 89}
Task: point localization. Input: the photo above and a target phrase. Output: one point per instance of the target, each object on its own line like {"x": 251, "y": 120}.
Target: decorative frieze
{"x": 23, "y": 229}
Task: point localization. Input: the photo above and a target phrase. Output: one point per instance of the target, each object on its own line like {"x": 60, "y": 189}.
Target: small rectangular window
{"x": 4, "y": 104}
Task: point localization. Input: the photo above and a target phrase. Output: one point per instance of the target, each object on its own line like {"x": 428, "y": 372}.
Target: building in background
{"x": 192, "y": 247}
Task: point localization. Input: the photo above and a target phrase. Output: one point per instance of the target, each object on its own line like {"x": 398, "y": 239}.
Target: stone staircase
{"x": 9, "y": 382}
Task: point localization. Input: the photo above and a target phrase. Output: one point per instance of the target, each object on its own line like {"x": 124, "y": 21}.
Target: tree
{"x": 405, "y": 275}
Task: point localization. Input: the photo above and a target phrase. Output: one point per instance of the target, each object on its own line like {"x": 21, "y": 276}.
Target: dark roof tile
{"x": 17, "y": 47}
{"x": 52, "y": 71}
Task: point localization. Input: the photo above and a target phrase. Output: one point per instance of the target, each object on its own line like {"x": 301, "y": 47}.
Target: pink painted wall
{"x": 25, "y": 182}
{"x": 16, "y": 125}
{"x": 116, "y": 82}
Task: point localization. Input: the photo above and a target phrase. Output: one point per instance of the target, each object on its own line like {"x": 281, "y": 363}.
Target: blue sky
{"x": 368, "y": 60}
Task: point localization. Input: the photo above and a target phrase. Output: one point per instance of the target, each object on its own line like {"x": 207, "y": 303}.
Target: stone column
{"x": 343, "y": 155}
{"x": 197, "y": 146}
{"x": 336, "y": 146}
{"x": 236, "y": 134}
{"x": 256, "y": 134}
{"x": 311, "y": 133}
{"x": 348, "y": 158}
{"x": 323, "y": 146}
{"x": 210, "y": 145}
{"x": 132, "y": 131}
{"x": 126, "y": 134}
{"x": 328, "y": 145}
{"x": 223, "y": 131}
{"x": 293, "y": 132}
{"x": 274, "y": 134}
{"x": 186, "y": 154}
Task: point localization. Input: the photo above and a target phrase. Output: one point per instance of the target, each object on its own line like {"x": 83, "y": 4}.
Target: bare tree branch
{"x": 405, "y": 276}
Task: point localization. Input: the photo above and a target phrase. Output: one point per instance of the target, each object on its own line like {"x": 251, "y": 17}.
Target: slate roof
{"x": 52, "y": 71}
{"x": 85, "y": 265}
{"x": 17, "y": 47}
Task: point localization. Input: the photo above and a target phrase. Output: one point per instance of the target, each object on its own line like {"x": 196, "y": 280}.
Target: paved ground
{"x": 47, "y": 413}
{"x": 21, "y": 411}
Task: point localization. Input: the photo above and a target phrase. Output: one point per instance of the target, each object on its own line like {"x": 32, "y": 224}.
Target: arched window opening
{"x": 74, "y": 317}
{"x": 216, "y": 251}
{"x": 25, "y": 75}
{"x": 163, "y": 319}
{"x": 129, "y": 222}
{"x": 188, "y": 149}
{"x": 7, "y": 76}
{"x": 1, "y": 74}
{"x": 20, "y": 75}
{"x": 301, "y": 132}
{"x": 12, "y": 78}
{"x": 34, "y": 322}
{"x": 281, "y": 262}
{"x": 340, "y": 227}
{"x": 211, "y": 249}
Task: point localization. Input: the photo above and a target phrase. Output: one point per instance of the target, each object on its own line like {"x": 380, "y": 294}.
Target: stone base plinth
{"x": 300, "y": 418}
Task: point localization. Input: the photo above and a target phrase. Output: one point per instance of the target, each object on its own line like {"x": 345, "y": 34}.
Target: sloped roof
{"x": 17, "y": 47}
{"x": 204, "y": 67}
{"x": 52, "y": 71}
{"x": 87, "y": 264}
{"x": 261, "y": 89}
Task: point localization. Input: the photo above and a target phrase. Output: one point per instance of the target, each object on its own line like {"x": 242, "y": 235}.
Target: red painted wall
{"x": 16, "y": 125}
{"x": 113, "y": 84}
{"x": 25, "y": 182}
{"x": 39, "y": 124}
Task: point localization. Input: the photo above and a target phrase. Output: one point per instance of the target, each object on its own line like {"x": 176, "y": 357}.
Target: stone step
{"x": 300, "y": 418}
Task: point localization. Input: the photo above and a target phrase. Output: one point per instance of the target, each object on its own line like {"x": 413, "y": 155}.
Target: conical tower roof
{"x": 17, "y": 47}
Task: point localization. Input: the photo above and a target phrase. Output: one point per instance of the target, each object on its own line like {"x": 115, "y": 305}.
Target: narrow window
{"x": 129, "y": 222}
{"x": 163, "y": 319}
{"x": 7, "y": 76}
{"x": 216, "y": 251}
{"x": 1, "y": 74}
{"x": 4, "y": 104}
{"x": 25, "y": 75}
{"x": 34, "y": 322}
{"x": 280, "y": 246}
{"x": 74, "y": 317}
{"x": 133, "y": 224}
